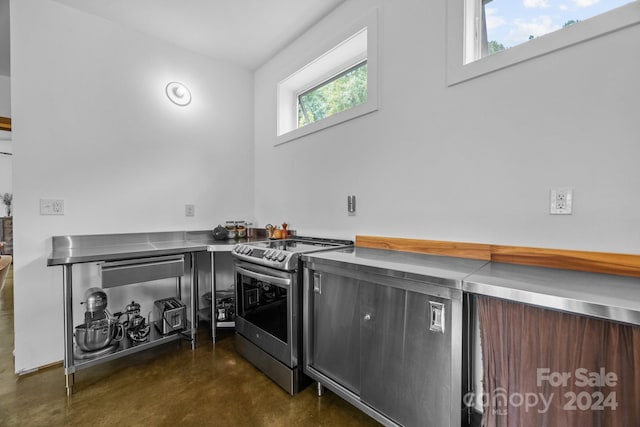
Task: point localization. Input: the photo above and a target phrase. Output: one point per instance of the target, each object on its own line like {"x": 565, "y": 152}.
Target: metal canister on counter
{"x": 241, "y": 229}
{"x": 231, "y": 229}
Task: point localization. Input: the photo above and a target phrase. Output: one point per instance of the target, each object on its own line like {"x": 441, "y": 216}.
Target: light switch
{"x": 51, "y": 207}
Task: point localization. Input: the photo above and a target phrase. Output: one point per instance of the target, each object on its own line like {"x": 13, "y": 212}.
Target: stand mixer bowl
{"x": 95, "y": 335}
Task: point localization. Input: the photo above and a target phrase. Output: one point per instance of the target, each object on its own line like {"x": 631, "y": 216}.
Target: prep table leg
{"x": 213, "y": 297}
{"x": 69, "y": 367}
{"x": 320, "y": 389}
{"x": 69, "y": 380}
{"x": 194, "y": 299}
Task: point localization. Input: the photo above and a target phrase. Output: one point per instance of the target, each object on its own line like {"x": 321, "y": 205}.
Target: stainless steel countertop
{"x": 109, "y": 247}
{"x": 604, "y": 296}
{"x": 440, "y": 270}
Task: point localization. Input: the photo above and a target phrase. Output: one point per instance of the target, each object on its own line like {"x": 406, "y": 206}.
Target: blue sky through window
{"x": 512, "y": 22}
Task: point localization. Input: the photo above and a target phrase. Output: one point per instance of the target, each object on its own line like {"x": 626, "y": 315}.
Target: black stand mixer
{"x": 135, "y": 325}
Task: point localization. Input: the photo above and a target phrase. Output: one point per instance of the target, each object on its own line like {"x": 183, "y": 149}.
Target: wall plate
{"x": 561, "y": 201}
{"x": 51, "y": 207}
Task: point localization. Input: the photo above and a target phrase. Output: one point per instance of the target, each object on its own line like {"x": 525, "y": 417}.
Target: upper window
{"x": 508, "y": 23}
{"x": 339, "y": 85}
{"x": 522, "y": 29}
{"x": 342, "y": 92}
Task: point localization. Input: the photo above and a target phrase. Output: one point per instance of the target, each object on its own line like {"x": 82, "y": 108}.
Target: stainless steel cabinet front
{"x": 382, "y": 317}
{"x": 336, "y": 330}
{"x": 428, "y": 374}
{"x": 406, "y": 367}
{"x": 391, "y": 347}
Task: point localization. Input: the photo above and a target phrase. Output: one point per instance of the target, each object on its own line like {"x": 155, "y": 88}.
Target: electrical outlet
{"x": 189, "y": 210}
{"x": 561, "y": 201}
{"x": 51, "y": 207}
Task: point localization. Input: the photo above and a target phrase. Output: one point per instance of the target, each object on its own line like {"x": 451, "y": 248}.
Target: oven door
{"x": 265, "y": 311}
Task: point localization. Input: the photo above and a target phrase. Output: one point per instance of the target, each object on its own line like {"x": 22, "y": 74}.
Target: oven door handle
{"x": 264, "y": 277}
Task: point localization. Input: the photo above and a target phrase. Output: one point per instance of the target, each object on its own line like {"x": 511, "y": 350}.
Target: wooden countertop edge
{"x": 433, "y": 247}
{"x": 5, "y": 123}
{"x": 593, "y": 262}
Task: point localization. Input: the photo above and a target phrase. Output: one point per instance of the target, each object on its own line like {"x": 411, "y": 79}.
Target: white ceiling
{"x": 245, "y": 32}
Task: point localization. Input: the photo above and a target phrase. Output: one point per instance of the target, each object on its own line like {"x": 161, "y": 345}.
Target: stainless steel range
{"x": 268, "y": 281}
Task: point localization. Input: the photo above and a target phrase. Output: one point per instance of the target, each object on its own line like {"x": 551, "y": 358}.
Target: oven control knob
{"x": 273, "y": 255}
{"x": 268, "y": 253}
{"x": 237, "y": 248}
{"x": 281, "y": 256}
{"x": 249, "y": 250}
{"x": 246, "y": 250}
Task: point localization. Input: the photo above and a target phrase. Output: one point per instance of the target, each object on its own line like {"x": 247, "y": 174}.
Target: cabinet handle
{"x": 317, "y": 287}
{"x": 437, "y": 317}
{"x": 367, "y": 316}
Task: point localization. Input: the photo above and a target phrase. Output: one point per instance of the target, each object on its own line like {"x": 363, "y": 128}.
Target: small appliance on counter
{"x": 135, "y": 325}
{"x": 225, "y": 307}
{"x": 220, "y": 233}
{"x": 100, "y": 333}
{"x": 171, "y": 315}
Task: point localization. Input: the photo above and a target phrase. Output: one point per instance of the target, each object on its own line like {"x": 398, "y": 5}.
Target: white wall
{"x": 6, "y": 162}
{"x": 92, "y": 126}
{"x": 473, "y": 162}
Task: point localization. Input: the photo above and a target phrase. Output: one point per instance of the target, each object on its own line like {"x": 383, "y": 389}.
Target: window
{"x": 507, "y": 23}
{"x": 342, "y": 92}
{"x": 522, "y": 29}
{"x": 339, "y": 85}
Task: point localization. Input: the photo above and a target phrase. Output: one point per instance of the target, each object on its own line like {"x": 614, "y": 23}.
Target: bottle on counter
{"x": 231, "y": 229}
{"x": 241, "y": 229}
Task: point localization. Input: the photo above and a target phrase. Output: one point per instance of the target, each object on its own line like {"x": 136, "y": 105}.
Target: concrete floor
{"x": 165, "y": 386}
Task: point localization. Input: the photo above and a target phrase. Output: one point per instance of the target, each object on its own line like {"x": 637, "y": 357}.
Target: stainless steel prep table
{"x": 605, "y": 296}
{"x": 70, "y": 250}
{"x": 106, "y": 247}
